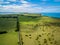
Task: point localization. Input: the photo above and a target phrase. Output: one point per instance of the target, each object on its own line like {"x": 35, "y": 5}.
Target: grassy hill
{"x": 35, "y": 30}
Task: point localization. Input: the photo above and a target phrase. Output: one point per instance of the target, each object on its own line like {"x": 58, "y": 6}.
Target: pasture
{"x": 34, "y": 30}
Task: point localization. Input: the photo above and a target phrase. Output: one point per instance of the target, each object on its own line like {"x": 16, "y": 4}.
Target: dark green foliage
{"x": 26, "y": 35}
{"x": 51, "y": 42}
{"x": 49, "y": 39}
{"x": 7, "y": 24}
{"x": 16, "y": 30}
{"x": 55, "y": 24}
{"x": 3, "y": 32}
{"x": 43, "y": 30}
{"x": 48, "y": 34}
{"x": 45, "y": 41}
{"x": 30, "y": 37}
{"x": 39, "y": 35}
{"x": 28, "y": 18}
{"x": 39, "y": 44}
{"x": 37, "y": 38}
{"x": 36, "y": 26}
{"x": 29, "y": 34}
{"x": 22, "y": 42}
{"x": 18, "y": 42}
{"x": 55, "y": 42}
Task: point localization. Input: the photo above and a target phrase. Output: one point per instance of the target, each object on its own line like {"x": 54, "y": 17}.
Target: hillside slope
{"x": 34, "y": 28}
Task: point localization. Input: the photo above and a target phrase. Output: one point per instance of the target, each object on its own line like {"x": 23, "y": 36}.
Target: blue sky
{"x": 31, "y": 6}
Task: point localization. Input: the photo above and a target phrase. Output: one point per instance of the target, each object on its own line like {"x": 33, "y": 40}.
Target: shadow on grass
{"x": 3, "y": 32}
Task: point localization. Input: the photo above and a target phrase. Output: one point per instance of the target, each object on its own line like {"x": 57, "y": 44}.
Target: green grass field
{"x": 34, "y": 30}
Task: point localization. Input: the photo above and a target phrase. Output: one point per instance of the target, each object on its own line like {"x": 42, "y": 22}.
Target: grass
{"x": 35, "y": 30}
{"x": 10, "y": 38}
{"x": 35, "y": 36}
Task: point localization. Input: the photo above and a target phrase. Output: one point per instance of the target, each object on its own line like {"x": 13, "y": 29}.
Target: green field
{"x": 35, "y": 29}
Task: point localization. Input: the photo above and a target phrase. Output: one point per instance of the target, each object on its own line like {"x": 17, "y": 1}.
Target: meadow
{"x": 35, "y": 29}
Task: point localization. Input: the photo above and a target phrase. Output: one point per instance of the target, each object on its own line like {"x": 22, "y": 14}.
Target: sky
{"x": 30, "y": 6}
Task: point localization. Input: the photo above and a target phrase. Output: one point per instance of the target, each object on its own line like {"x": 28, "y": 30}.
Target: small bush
{"x": 3, "y": 32}
{"x": 45, "y": 41}
{"x": 16, "y": 30}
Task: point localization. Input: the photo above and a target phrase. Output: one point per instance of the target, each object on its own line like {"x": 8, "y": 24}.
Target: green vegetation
{"x": 35, "y": 29}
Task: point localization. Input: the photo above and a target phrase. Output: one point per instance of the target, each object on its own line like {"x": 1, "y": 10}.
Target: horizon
{"x": 26, "y": 12}
{"x": 54, "y": 15}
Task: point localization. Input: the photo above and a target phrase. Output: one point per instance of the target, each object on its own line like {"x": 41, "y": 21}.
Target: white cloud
{"x": 23, "y": 1}
{"x": 11, "y": 0}
{"x": 21, "y": 8}
{"x": 51, "y": 9}
{"x": 28, "y": 7}
{"x": 18, "y": 8}
{"x": 4, "y": 2}
{"x": 45, "y": 0}
{"x": 7, "y": 1}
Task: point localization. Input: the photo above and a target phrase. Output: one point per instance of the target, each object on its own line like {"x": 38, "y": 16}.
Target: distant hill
{"x": 10, "y": 23}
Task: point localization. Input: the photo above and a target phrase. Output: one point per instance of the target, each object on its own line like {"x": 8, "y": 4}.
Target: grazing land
{"x": 35, "y": 29}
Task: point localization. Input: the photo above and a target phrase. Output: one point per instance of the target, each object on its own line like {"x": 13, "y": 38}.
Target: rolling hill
{"x": 35, "y": 30}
